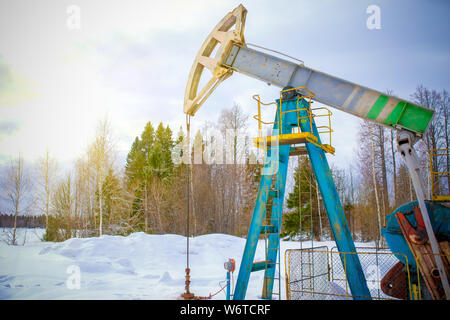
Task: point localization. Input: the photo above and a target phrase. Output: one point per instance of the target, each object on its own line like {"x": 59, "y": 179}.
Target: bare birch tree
{"x": 101, "y": 154}
{"x": 47, "y": 169}
{"x": 16, "y": 193}
{"x": 375, "y": 182}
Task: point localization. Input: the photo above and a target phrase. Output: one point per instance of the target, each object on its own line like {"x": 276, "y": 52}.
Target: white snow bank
{"x": 139, "y": 266}
{"x": 23, "y": 235}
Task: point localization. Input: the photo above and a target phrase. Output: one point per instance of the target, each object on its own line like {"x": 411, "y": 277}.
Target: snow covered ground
{"x": 139, "y": 266}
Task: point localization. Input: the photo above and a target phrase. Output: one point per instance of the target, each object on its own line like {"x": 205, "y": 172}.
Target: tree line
{"x": 150, "y": 192}
{"x": 23, "y": 221}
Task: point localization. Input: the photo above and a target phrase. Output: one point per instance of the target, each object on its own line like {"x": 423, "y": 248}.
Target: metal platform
{"x": 291, "y": 138}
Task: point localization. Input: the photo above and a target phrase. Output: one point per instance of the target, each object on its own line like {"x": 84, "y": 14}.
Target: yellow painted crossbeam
{"x": 291, "y": 138}
{"x": 283, "y": 139}
{"x": 444, "y": 198}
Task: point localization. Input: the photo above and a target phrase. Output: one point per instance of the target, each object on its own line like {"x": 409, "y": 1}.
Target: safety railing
{"x": 324, "y": 277}
{"x": 324, "y": 129}
{"x": 258, "y": 117}
{"x": 440, "y": 174}
{"x": 307, "y": 273}
{"x": 311, "y": 113}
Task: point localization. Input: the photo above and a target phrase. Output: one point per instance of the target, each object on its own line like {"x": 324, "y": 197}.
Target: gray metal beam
{"x": 332, "y": 91}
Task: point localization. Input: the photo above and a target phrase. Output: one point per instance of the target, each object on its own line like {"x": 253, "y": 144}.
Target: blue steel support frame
{"x": 354, "y": 272}
{"x": 341, "y": 231}
{"x": 272, "y": 167}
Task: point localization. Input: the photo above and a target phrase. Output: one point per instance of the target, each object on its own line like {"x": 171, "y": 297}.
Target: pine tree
{"x": 301, "y": 202}
{"x": 149, "y": 166}
{"x": 135, "y": 161}
{"x": 160, "y": 156}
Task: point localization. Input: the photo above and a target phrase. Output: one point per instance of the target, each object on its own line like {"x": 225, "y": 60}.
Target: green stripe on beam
{"x": 394, "y": 116}
{"x": 410, "y": 116}
{"x": 377, "y": 107}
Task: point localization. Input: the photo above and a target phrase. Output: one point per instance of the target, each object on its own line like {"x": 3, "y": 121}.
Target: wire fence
{"x": 319, "y": 274}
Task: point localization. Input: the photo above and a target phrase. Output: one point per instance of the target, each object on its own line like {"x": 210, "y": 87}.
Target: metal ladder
{"x": 272, "y": 227}
{"x": 266, "y": 223}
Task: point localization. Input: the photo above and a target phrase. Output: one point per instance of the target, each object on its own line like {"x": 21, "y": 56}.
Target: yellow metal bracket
{"x": 436, "y": 175}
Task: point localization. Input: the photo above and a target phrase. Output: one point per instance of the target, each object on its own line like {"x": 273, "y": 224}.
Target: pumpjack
{"x": 415, "y": 229}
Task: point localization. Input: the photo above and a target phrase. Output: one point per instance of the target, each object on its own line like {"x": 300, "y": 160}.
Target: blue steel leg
{"x": 254, "y": 231}
{"x": 341, "y": 231}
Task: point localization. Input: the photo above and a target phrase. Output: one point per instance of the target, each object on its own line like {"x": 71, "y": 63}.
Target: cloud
{"x": 131, "y": 60}
{"x": 8, "y": 127}
{"x": 14, "y": 87}
{"x": 5, "y": 77}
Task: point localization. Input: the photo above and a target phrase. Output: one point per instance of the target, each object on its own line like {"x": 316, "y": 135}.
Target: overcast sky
{"x": 131, "y": 59}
